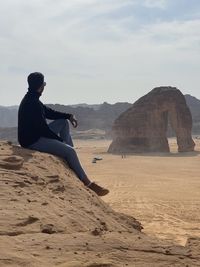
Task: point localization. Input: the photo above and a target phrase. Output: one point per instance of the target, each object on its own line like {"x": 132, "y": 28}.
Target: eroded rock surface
{"x": 41, "y": 225}
{"x": 143, "y": 127}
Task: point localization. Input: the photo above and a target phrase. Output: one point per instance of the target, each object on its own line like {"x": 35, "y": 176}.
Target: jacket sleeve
{"x": 54, "y": 115}
{"x": 41, "y": 124}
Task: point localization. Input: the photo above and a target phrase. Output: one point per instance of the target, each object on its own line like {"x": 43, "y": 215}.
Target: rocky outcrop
{"x": 48, "y": 218}
{"x": 31, "y": 186}
{"x": 143, "y": 127}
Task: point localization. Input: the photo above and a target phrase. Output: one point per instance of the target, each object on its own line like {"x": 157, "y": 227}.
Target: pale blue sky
{"x": 92, "y": 51}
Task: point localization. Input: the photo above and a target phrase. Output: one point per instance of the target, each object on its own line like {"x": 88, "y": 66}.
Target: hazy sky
{"x": 92, "y": 51}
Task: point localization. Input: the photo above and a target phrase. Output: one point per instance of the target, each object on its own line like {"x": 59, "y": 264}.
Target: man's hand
{"x": 73, "y": 121}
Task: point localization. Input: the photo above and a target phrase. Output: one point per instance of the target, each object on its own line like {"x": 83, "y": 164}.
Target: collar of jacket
{"x": 33, "y": 93}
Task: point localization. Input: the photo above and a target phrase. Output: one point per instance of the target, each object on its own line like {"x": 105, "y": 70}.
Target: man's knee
{"x": 70, "y": 150}
{"x": 63, "y": 122}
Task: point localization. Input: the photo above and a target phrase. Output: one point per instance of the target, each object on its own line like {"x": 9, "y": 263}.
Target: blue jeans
{"x": 64, "y": 149}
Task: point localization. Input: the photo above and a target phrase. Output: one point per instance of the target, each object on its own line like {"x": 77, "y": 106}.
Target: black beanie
{"x": 35, "y": 80}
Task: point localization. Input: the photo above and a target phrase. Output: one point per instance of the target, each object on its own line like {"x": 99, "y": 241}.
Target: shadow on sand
{"x": 26, "y": 154}
{"x": 158, "y": 154}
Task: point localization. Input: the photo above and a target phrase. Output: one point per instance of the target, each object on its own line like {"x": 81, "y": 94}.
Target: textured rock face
{"x": 49, "y": 218}
{"x": 143, "y": 127}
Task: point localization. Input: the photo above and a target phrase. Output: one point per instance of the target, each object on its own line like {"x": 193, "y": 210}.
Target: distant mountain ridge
{"x": 194, "y": 105}
{"x": 8, "y": 116}
{"x": 101, "y": 117}
{"x": 97, "y": 116}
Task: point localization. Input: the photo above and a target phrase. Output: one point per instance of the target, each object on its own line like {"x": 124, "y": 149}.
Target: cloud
{"x": 155, "y": 3}
{"x": 175, "y": 33}
{"x": 93, "y": 45}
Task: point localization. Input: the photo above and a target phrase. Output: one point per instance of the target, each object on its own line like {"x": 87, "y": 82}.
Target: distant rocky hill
{"x": 89, "y": 116}
{"x": 96, "y": 116}
{"x": 194, "y": 105}
{"x": 8, "y": 116}
{"x": 100, "y": 117}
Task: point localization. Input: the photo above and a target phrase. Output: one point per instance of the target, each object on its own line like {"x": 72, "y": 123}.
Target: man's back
{"x": 27, "y": 119}
{"x": 32, "y": 123}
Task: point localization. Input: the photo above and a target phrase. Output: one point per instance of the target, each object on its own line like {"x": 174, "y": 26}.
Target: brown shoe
{"x": 100, "y": 191}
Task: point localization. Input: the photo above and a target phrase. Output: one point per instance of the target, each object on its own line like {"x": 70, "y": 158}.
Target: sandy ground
{"x": 162, "y": 191}
{"x": 49, "y": 218}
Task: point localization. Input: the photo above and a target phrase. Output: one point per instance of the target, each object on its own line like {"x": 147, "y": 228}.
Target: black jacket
{"x": 32, "y": 117}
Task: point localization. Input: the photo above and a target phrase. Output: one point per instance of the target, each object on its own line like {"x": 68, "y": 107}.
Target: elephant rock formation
{"x": 143, "y": 127}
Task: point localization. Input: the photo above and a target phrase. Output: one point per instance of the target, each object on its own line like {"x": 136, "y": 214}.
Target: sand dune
{"x": 48, "y": 218}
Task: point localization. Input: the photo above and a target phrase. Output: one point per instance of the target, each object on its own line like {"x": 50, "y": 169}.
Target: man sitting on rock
{"x": 54, "y": 138}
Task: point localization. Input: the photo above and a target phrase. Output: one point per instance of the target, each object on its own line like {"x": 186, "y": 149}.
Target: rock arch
{"x": 143, "y": 127}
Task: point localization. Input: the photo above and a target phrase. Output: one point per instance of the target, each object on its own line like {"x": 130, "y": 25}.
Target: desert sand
{"x": 161, "y": 190}
{"x": 48, "y": 218}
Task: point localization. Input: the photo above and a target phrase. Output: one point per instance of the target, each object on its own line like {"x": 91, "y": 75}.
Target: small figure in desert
{"x": 35, "y": 133}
